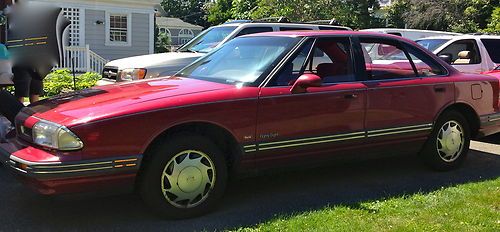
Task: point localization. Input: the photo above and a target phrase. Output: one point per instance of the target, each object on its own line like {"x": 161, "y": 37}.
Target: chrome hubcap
{"x": 188, "y": 178}
{"x": 450, "y": 141}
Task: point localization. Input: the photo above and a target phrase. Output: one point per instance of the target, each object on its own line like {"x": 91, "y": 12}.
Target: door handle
{"x": 439, "y": 89}
{"x": 351, "y": 96}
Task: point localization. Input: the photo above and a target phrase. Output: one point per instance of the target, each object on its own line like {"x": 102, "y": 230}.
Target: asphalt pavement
{"x": 248, "y": 201}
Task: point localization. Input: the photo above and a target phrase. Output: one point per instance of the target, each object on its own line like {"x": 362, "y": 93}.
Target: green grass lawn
{"x": 467, "y": 207}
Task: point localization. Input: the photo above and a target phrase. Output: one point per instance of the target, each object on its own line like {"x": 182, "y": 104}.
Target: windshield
{"x": 207, "y": 40}
{"x": 432, "y": 44}
{"x": 242, "y": 60}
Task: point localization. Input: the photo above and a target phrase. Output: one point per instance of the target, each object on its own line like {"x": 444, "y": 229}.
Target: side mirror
{"x": 305, "y": 81}
{"x": 446, "y": 58}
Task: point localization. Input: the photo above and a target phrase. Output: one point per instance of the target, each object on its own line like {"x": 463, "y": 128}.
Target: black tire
{"x": 161, "y": 156}
{"x": 436, "y": 159}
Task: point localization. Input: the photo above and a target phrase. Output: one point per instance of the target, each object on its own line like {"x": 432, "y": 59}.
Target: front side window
{"x": 330, "y": 59}
{"x": 208, "y": 39}
{"x": 242, "y": 60}
{"x": 118, "y": 29}
{"x": 391, "y": 60}
{"x": 463, "y": 52}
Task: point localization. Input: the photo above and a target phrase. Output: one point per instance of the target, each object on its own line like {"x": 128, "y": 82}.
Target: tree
{"x": 163, "y": 44}
{"x": 396, "y": 13}
{"x": 191, "y": 11}
{"x": 494, "y": 22}
{"x": 219, "y": 11}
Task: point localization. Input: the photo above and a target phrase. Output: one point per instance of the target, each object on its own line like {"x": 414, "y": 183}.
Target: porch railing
{"x": 83, "y": 59}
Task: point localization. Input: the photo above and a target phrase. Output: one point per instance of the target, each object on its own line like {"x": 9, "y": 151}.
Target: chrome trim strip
{"x": 250, "y": 146}
{"x": 19, "y": 160}
{"x": 400, "y": 128}
{"x": 73, "y": 171}
{"x": 310, "y": 143}
{"x": 398, "y": 132}
{"x": 251, "y": 150}
{"x": 73, "y": 165}
{"x": 312, "y": 138}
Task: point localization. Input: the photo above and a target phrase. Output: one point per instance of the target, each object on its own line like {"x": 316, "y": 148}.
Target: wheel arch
{"x": 217, "y": 133}
{"x": 469, "y": 113}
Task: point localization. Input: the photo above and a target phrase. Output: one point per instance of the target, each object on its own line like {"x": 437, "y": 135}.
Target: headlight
{"x": 52, "y": 135}
{"x": 131, "y": 74}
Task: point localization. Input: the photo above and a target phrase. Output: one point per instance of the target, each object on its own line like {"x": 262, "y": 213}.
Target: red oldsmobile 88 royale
{"x": 259, "y": 102}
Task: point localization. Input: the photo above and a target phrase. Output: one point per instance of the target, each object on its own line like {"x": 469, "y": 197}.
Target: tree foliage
{"x": 494, "y": 22}
{"x": 463, "y": 16}
{"x": 191, "y": 11}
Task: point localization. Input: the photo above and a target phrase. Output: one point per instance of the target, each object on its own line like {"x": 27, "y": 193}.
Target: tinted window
{"x": 253, "y": 30}
{"x": 242, "y": 60}
{"x": 493, "y": 48}
{"x": 395, "y": 33}
{"x": 467, "y": 46}
{"x": 294, "y": 28}
{"x": 333, "y": 28}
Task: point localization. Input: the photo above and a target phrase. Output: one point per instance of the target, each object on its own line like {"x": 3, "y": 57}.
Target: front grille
{"x": 110, "y": 73}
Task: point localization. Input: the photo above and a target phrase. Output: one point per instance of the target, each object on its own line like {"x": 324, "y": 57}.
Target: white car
{"x": 412, "y": 34}
{"x": 165, "y": 64}
{"x": 467, "y": 53}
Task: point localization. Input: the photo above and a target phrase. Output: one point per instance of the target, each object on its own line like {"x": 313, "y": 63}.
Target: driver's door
{"x": 294, "y": 126}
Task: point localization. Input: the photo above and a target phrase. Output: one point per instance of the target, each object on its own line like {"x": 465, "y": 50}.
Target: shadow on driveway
{"x": 247, "y": 202}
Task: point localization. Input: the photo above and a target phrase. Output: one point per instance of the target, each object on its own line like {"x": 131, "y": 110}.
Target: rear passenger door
{"x": 406, "y": 90}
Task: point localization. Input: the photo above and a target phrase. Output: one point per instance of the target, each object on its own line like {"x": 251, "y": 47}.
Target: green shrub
{"x": 61, "y": 81}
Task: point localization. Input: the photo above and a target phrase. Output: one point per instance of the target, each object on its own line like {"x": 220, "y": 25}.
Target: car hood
{"x": 153, "y": 60}
{"x": 121, "y": 99}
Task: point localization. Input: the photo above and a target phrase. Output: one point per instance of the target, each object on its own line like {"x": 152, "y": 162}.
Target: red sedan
{"x": 259, "y": 102}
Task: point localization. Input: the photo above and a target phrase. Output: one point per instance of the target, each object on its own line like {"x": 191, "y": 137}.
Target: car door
{"x": 294, "y": 127}
{"x": 406, "y": 90}
{"x": 465, "y": 55}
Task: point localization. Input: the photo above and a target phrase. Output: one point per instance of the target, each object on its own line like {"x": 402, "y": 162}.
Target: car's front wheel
{"x": 448, "y": 145}
{"x": 185, "y": 177}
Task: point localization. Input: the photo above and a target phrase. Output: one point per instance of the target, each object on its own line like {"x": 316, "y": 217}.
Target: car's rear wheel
{"x": 185, "y": 177}
{"x": 448, "y": 145}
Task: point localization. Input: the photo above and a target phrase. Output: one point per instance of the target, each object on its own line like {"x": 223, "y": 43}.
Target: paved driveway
{"x": 247, "y": 201}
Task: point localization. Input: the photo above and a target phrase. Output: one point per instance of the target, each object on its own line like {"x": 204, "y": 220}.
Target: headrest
{"x": 464, "y": 55}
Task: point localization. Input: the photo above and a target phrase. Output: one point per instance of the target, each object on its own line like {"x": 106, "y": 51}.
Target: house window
{"x": 118, "y": 28}
{"x": 185, "y": 35}
{"x": 165, "y": 31}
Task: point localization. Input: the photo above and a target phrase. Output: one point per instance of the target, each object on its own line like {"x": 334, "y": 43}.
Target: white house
{"x": 103, "y": 30}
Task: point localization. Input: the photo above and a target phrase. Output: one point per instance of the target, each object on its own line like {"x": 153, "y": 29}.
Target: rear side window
{"x": 333, "y": 28}
{"x": 493, "y": 48}
{"x": 389, "y": 60}
{"x": 253, "y": 30}
{"x": 294, "y": 29}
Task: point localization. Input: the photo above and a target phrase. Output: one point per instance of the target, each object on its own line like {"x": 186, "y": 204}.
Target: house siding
{"x": 95, "y": 35}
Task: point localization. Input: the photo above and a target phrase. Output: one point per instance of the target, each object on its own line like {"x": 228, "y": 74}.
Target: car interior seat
{"x": 464, "y": 57}
{"x": 333, "y": 72}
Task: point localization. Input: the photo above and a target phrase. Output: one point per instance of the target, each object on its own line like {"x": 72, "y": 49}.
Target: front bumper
{"x": 57, "y": 176}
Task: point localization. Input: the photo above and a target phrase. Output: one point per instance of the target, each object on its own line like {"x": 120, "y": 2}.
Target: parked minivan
{"x": 467, "y": 53}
